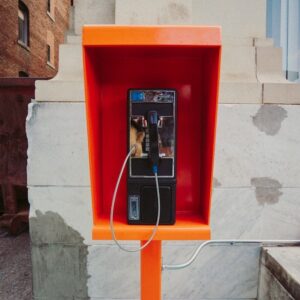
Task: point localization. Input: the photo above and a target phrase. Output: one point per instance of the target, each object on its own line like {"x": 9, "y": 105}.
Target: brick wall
{"x": 32, "y": 59}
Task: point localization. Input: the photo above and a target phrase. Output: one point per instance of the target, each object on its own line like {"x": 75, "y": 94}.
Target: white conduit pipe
{"x": 232, "y": 242}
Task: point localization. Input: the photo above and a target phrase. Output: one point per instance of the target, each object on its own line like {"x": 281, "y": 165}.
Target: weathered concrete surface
{"x": 235, "y": 16}
{"x": 115, "y": 274}
{"x": 218, "y": 272}
{"x": 204, "y": 275}
{"x": 208, "y": 12}
{"x": 237, "y": 213}
{"x": 256, "y": 141}
{"x": 280, "y": 273}
{"x": 153, "y": 12}
{"x": 59, "y": 258}
{"x": 72, "y": 203}
{"x": 252, "y": 196}
{"x": 270, "y": 288}
{"x": 252, "y": 141}
{"x": 93, "y": 12}
{"x": 56, "y": 147}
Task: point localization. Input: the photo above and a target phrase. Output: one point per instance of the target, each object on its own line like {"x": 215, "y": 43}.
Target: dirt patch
{"x": 268, "y": 119}
{"x": 216, "y": 183}
{"x": 267, "y": 190}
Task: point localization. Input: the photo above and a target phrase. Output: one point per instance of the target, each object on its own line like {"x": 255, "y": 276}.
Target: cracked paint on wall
{"x": 59, "y": 258}
{"x": 268, "y": 118}
{"x": 267, "y": 190}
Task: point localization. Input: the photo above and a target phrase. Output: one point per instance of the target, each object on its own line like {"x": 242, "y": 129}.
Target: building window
{"x": 23, "y": 74}
{"x": 50, "y": 49}
{"x": 23, "y": 18}
{"x": 49, "y": 6}
{"x": 48, "y": 54}
{"x": 50, "y": 9}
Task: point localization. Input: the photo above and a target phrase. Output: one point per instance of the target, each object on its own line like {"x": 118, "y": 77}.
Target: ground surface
{"x": 15, "y": 267}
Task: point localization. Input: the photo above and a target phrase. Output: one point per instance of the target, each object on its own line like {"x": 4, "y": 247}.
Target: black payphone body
{"x": 152, "y": 129}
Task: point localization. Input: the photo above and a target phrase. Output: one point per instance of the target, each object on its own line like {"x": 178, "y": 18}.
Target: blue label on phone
{"x": 137, "y": 96}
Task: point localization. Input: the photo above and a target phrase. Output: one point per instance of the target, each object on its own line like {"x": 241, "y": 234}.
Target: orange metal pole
{"x": 151, "y": 271}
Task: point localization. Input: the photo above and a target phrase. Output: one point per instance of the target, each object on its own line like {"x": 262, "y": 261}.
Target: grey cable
{"x": 111, "y": 221}
{"x": 200, "y": 247}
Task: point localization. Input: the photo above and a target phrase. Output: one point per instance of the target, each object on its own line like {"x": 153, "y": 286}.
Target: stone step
{"x": 70, "y": 62}
{"x": 73, "y": 39}
{"x": 240, "y": 92}
{"x": 71, "y": 18}
{"x": 238, "y": 64}
{"x": 281, "y": 92}
{"x": 263, "y": 42}
{"x": 93, "y": 12}
{"x": 279, "y": 273}
{"x": 237, "y": 41}
{"x": 59, "y": 90}
{"x": 269, "y": 64}
{"x": 239, "y": 18}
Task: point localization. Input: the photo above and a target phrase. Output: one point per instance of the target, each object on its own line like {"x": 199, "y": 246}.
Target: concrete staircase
{"x": 251, "y": 65}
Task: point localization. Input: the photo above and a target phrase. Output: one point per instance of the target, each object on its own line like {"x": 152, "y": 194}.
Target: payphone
{"x": 152, "y": 131}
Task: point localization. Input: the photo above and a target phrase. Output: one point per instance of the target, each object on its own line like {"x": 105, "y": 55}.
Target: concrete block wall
{"x": 256, "y": 184}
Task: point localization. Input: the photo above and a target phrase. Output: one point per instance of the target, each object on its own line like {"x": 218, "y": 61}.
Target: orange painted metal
{"x": 185, "y": 58}
{"x": 151, "y": 271}
{"x": 151, "y": 35}
{"x": 186, "y": 227}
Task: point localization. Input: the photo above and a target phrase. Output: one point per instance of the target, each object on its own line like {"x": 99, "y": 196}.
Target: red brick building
{"x": 30, "y": 33}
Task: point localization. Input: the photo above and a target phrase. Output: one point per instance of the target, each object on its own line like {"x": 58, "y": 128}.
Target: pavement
{"x": 15, "y": 267}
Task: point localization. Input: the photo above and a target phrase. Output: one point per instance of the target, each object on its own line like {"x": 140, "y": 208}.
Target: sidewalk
{"x": 15, "y": 267}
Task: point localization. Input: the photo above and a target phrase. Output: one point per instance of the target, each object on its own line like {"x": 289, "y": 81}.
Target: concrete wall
{"x": 235, "y": 16}
{"x": 253, "y": 198}
{"x": 256, "y": 171}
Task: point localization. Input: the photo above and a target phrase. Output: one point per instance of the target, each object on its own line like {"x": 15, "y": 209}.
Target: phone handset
{"x": 153, "y": 139}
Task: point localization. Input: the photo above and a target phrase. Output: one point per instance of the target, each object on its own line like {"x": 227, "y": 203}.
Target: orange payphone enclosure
{"x": 185, "y": 58}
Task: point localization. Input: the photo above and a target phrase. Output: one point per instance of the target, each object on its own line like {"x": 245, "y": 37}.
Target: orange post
{"x": 151, "y": 271}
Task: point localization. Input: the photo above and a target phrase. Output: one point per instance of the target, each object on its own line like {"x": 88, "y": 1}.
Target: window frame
{"x": 49, "y": 54}
{"x": 51, "y": 9}
{"x": 49, "y": 2}
{"x": 23, "y": 24}
{"x": 23, "y": 74}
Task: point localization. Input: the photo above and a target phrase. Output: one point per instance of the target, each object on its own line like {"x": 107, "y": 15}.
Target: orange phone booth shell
{"x": 184, "y": 58}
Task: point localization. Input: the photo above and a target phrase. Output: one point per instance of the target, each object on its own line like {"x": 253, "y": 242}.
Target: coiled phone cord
{"x": 112, "y": 209}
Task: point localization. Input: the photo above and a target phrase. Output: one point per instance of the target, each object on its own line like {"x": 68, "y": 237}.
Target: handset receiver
{"x": 153, "y": 138}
